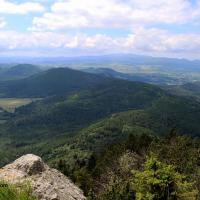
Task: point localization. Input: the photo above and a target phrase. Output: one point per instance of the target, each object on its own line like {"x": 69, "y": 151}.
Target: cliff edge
{"x": 46, "y": 183}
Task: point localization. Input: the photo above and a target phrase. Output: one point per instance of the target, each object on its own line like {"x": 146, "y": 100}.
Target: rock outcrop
{"x": 46, "y": 183}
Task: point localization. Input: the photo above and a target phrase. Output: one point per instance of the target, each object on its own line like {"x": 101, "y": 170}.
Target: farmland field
{"x": 10, "y": 104}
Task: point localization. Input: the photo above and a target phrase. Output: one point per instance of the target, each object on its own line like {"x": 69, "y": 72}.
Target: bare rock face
{"x": 29, "y": 164}
{"x": 47, "y": 183}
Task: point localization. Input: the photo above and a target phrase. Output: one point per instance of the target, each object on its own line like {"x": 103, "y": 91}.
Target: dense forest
{"x": 142, "y": 167}
{"x": 116, "y": 139}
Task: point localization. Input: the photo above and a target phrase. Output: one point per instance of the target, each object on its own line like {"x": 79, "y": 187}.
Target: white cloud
{"x": 7, "y": 7}
{"x": 47, "y": 34}
{"x": 66, "y": 14}
{"x": 2, "y": 23}
{"x": 163, "y": 43}
{"x": 146, "y": 41}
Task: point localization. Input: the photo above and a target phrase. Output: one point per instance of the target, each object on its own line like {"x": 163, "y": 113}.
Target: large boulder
{"x": 46, "y": 183}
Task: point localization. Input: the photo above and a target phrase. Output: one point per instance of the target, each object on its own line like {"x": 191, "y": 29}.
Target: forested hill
{"x": 74, "y": 99}
{"x": 56, "y": 81}
{"x": 71, "y": 112}
{"x": 191, "y": 89}
{"x": 80, "y": 116}
{"x": 18, "y": 71}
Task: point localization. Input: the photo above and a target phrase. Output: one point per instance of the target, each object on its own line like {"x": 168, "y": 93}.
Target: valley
{"x": 99, "y": 100}
{"x": 83, "y": 122}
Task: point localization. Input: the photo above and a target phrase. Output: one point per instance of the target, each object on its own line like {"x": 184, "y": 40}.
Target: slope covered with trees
{"x": 81, "y": 108}
{"x": 191, "y": 90}
{"x": 106, "y": 134}
{"x": 141, "y": 167}
{"x": 91, "y": 114}
{"x": 18, "y": 72}
{"x": 52, "y": 82}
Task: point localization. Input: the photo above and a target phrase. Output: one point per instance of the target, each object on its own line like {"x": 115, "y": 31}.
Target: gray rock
{"x": 46, "y": 183}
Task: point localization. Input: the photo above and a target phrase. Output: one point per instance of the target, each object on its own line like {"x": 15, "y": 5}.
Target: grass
{"x": 11, "y": 192}
{"x": 10, "y": 104}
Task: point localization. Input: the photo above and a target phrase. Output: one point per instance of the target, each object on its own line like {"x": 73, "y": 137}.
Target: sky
{"x": 52, "y": 28}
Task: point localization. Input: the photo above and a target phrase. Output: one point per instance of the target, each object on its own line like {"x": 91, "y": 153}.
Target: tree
{"x": 159, "y": 181}
{"x": 91, "y": 162}
{"x": 118, "y": 189}
{"x": 63, "y": 167}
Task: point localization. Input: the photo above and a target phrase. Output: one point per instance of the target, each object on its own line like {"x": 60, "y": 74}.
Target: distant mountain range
{"x": 156, "y": 70}
{"x": 153, "y": 78}
{"x": 128, "y": 59}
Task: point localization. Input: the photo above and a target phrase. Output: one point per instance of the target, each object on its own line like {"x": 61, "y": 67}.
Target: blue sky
{"x": 86, "y": 27}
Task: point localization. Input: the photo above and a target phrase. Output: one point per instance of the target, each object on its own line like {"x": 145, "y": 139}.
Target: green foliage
{"x": 11, "y": 192}
{"x": 121, "y": 173}
{"x": 160, "y": 181}
{"x": 176, "y": 112}
{"x": 118, "y": 190}
{"x": 180, "y": 151}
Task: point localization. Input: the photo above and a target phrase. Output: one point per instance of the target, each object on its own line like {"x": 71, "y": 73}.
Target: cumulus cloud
{"x": 7, "y": 7}
{"x": 12, "y": 40}
{"x": 158, "y": 41}
{"x": 49, "y": 33}
{"x": 145, "y": 41}
{"x": 67, "y": 14}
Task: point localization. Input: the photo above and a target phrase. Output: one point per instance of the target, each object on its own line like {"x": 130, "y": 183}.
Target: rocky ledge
{"x": 46, "y": 183}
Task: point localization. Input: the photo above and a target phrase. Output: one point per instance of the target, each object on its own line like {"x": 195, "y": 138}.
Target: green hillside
{"x": 166, "y": 114}
{"x": 18, "y": 72}
{"x": 31, "y": 126}
{"x": 185, "y": 90}
{"x": 78, "y": 110}
{"x": 88, "y": 120}
{"x": 55, "y": 81}
{"x": 132, "y": 130}
{"x": 97, "y": 126}
{"x": 75, "y": 111}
